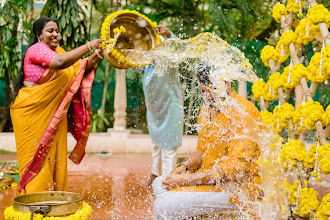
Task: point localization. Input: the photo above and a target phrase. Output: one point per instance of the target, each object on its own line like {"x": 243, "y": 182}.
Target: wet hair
{"x": 38, "y": 26}
{"x": 203, "y": 73}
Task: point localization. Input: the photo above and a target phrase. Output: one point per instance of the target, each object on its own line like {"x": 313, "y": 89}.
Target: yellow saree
{"x": 40, "y": 121}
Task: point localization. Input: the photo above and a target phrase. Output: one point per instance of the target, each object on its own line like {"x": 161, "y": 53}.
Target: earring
{"x": 38, "y": 39}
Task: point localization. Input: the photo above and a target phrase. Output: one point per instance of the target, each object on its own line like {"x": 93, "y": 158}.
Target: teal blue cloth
{"x": 163, "y": 97}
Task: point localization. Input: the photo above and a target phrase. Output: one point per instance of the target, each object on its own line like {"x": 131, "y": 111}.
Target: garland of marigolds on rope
{"x": 109, "y": 43}
{"x": 302, "y": 199}
{"x": 82, "y": 214}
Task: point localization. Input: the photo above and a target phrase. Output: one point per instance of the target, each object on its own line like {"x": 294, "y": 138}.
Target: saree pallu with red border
{"x": 42, "y": 115}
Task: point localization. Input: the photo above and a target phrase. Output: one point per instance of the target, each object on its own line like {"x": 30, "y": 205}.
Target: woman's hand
{"x": 179, "y": 170}
{"x": 164, "y": 30}
{"x": 173, "y": 181}
{"x": 96, "y": 44}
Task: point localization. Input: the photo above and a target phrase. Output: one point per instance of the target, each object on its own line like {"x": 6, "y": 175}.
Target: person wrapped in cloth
{"x": 222, "y": 173}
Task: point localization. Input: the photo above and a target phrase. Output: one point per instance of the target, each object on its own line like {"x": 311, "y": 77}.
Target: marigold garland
{"x": 82, "y": 214}
{"x": 278, "y": 11}
{"x": 267, "y": 117}
{"x": 307, "y": 114}
{"x": 291, "y": 191}
{"x": 326, "y": 116}
{"x": 280, "y": 116}
{"x": 292, "y": 74}
{"x": 292, "y": 152}
{"x": 319, "y": 14}
{"x": 309, "y": 161}
{"x": 323, "y": 156}
{"x": 267, "y": 53}
{"x": 323, "y": 212}
{"x": 257, "y": 89}
{"x": 282, "y": 46}
{"x": 307, "y": 201}
{"x": 305, "y": 31}
{"x": 295, "y": 6}
{"x": 319, "y": 66}
{"x": 105, "y": 35}
{"x": 269, "y": 94}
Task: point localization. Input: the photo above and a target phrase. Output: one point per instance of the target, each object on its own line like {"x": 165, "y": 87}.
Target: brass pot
{"x": 139, "y": 35}
{"x": 56, "y": 203}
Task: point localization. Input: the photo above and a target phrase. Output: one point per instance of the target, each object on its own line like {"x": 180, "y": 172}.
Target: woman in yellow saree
{"x": 54, "y": 96}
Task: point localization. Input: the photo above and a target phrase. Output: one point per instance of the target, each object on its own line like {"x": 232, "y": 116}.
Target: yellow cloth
{"x": 31, "y": 113}
{"x": 236, "y": 156}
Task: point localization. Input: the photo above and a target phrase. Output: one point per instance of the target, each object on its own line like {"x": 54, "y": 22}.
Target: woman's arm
{"x": 65, "y": 60}
{"x": 93, "y": 60}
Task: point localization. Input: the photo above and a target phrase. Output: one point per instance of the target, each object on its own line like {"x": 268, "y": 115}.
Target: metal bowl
{"x": 6, "y": 181}
{"x": 139, "y": 35}
{"x": 56, "y": 203}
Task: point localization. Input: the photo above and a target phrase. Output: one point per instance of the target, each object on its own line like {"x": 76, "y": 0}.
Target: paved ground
{"x": 114, "y": 185}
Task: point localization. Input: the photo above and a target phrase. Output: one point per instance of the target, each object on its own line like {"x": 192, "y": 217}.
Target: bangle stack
{"x": 90, "y": 49}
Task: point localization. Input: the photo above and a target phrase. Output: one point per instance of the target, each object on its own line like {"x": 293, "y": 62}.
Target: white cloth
{"x": 180, "y": 205}
{"x": 163, "y": 161}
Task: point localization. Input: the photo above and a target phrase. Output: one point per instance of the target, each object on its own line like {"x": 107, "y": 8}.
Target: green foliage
{"x": 8, "y": 54}
{"x": 231, "y": 20}
{"x": 10, "y": 15}
{"x": 97, "y": 121}
{"x": 71, "y": 21}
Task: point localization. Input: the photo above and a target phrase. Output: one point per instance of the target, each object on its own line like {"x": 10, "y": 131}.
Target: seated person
{"x": 222, "y": 173}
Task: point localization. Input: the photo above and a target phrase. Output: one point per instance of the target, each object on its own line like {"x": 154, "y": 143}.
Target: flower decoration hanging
{"x": 267, "y": 53}
{"x": 257, "y": 89}
{"x": 307, "y": 114}
{"x": 278, "y": 11}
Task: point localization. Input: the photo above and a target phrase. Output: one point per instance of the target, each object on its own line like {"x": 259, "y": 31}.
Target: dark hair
{"x": 38, "y": 26}
{"x": 203, "y": 73}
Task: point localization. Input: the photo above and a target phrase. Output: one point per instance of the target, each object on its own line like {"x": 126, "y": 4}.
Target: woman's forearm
{"x": 92, "y": 61}
{"x": 65, "y": 60}
{"x": 207, "y": 177}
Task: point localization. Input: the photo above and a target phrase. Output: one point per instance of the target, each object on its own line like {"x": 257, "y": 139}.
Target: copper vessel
{"x": 54, "y": 203}
{"x": 139, "y": 35}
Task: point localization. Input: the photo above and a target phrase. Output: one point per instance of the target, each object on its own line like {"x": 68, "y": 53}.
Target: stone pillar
{"x": 242, "y": 89}
{"x": 120, "y": 100}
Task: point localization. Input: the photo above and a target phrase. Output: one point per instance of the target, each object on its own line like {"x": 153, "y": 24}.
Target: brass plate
{"x": 7, "y": 181}
{"x": 55, "y": 203}
{"x": 139, "y": 35}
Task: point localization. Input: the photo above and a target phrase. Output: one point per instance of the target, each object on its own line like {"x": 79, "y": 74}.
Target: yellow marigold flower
{"x": 306, "y": 115}
{"x": 323, "y": 212}
{"x": 317, "y": 71}
{"x": 291, "y": 75}
{"x": 295, "y": 6}
{"x": 307, "y": 201}
{"x": 122, "y": 29}
{"x": 115, "y": 30}
{"x": 267, "y": 53}
{"x": 257, "y": 89}
{"x": 292, "y": 152}
{"x": 278, "y": 11}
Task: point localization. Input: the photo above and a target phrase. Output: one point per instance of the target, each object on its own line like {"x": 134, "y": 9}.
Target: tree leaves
{"x": 71, "y": 20}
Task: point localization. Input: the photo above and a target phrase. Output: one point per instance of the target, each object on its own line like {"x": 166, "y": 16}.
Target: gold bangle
{"x": 97, "y": 53}
{"x": 89, "y": 47}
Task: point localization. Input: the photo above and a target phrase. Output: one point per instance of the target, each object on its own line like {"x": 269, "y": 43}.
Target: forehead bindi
{"x": 51, "y": 26}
